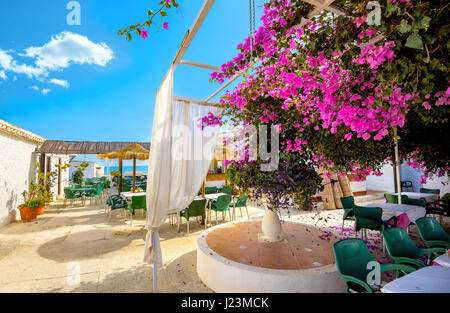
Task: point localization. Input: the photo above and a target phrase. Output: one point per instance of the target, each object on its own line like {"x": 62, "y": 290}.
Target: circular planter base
{"x": 230, "y": 258}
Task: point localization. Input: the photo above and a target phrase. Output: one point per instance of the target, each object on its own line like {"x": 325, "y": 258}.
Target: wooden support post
{"x": 224, "y": 167}
{"x": 59, "y": 177}
{"x": 134, "y": 174}
{"x": 120, "y": 177}
{"x": 203, "y": 190}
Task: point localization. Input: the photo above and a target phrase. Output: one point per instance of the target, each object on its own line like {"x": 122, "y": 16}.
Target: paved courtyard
{"x": 46, "y": 254}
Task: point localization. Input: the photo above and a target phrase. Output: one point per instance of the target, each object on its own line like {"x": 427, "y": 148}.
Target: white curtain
{"x": 180, "y": 155}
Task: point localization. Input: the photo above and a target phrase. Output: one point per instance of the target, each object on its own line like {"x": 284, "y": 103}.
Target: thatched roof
{"x": 133, "y": 151}
{"x": 85, "y": 147}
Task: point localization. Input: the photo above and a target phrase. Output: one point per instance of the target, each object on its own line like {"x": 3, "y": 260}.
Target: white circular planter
{"x": 226, "y": 276}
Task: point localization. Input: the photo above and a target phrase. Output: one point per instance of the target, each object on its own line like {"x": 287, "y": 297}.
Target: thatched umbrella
{"x": 132, "y": 152}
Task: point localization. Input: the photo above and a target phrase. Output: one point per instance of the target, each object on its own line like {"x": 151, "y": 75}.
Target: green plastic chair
{"x": 116, "y": 202}
{"x": 96, "y": 193}
{"x": 402, "y": 249}
{"x": 418, "y": 202}
{"x": 69, "y": 194}
{"x": 352, "y": 259}
{"x": 137, "y": 203}
{"x": 369, "y": 218}
{"x": 195, "y": 209}
{"x": 228, "y": 190}
{"x": 347, "y": 206}
{"x": 210, "y": 190}
{"x": 222, "y": 204}
{"x": 241, "y": 202}
{"x": 432, "y": 233}
{"x": 394, "y": 198}
{"x": 432, "y": 191}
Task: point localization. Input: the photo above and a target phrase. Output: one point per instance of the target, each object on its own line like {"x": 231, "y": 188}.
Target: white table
{"x": 443, "y": 260}
{"x": 435, "y": 279}
{"x": 429, "y": 197}
{"x": 390, "y": 210}
{"x": 130, "y": 195}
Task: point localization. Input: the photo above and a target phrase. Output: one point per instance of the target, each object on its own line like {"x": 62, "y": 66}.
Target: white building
{"x": 18, "y": 157}
{"x": 93, "y": 170}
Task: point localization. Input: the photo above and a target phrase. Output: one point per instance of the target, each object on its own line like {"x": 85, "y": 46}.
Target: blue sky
{"x": 112, "y": 98}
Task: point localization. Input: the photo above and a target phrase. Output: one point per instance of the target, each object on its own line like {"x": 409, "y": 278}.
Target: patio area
{"x": 46, "y": 254}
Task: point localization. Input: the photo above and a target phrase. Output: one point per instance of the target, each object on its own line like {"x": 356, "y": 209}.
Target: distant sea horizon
{"x": 128, "y": 168}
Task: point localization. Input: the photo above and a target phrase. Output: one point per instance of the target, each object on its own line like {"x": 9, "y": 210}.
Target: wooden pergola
{"x": 79, "y": 147}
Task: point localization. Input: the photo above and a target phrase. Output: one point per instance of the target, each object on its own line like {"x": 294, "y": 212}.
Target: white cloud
{"x": 43, "y": 91}
{"x": 66, "y": 48}
{"x": 59, "y": 53}
{"x": 60, "y": 82}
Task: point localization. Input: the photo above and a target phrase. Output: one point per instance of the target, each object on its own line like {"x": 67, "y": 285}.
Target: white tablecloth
{"x": 214, "y": 196}
{"x": 414, "y": 212}
{"x": 434, "y": 279}
{"x": 129, "y": 195}
{"x": 429, "y": 197}
{"x": 443, "y": 260}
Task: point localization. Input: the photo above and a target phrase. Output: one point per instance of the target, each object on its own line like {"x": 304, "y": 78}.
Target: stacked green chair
{"x": 137, "y": 203}
{"x": 432, "y": 233}
{"x": 116, "y": 202}
{"x": 69, "y": 194}
{"x": 352, "y": 259}
{"x": 394, "y": 198}
{"x": 402, "y": 249}
{"x": 347, "y": 206}
{"x": 195, "y": 209}
{"x": 241, "y": 202}
{"x": 210, "y": 190}
{"x": 222, "y": 204}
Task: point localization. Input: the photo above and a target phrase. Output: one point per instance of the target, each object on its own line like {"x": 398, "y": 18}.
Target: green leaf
{"x": 175, "y": 3}
{"x": 404, "y": 27}
{"x": 150, "y": 12}
{"x": 129, "y": 36}
{"x": 414, "y": 41}
{"x": 163, "y": 13}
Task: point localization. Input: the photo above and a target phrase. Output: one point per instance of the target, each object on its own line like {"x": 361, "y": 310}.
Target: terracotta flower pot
{"x": 28, "y": 214}
{"x": 40, "y": 210}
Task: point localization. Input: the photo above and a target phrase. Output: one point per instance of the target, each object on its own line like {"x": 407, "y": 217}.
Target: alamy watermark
{"x": 74, "y": 16}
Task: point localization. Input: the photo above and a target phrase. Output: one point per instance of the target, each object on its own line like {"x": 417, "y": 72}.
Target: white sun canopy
{"x": 179, "y": 161}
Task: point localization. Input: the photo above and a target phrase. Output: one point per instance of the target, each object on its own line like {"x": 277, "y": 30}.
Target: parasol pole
{"x": 134, "y": 174}
{"x": 120, "y": 176}
{"x": 397, "y": 167}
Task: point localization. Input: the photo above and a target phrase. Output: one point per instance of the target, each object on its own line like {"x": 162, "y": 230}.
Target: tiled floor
{"x": 301, "y": 249}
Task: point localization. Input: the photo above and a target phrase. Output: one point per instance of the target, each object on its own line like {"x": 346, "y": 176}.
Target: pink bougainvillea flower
{"x": 144, "y": 33}
{"x": 166, "y": 25}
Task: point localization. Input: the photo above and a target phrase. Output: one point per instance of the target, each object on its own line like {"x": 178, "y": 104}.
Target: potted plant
{"x": 30, "y": 209}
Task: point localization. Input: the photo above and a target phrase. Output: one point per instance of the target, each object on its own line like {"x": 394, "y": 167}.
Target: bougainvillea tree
{"x": 139, "y": 27}
{"x": 338, "y": 86}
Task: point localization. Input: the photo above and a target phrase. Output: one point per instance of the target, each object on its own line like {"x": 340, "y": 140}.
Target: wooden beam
{"x": 201, "y": 65}
{"x": 193, "y": 30}
{"x": 198, "y": 101}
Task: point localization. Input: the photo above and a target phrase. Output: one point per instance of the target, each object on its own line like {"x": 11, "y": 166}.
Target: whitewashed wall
{"x": 89, "y": 172}
{"x": 16, "y": 171}
{"x": 384, "y": 182}
{"x": 436, "y": 183}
